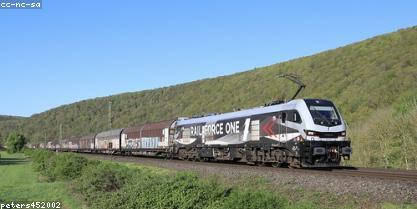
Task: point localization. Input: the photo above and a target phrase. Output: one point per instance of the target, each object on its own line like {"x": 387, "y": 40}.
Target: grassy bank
{"x": 294, "y": 197}
{"x": 104, "y": 184}
{"x": 20, "y": 183}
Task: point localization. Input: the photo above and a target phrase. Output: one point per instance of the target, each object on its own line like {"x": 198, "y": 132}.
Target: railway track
{"x": 378, "y": 173}
{"x": 384, "y": 174}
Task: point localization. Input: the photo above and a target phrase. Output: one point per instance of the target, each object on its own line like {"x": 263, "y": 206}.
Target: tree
{"x": 15, "y": 142}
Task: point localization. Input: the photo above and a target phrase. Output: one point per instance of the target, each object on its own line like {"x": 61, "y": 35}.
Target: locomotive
{"x": 299, "y": 133}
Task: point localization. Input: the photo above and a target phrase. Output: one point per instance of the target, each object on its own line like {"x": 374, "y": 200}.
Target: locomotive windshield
{"x": 323, "y": 112}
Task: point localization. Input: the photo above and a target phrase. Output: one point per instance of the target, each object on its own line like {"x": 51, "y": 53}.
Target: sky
{"x": 71, "y": 50}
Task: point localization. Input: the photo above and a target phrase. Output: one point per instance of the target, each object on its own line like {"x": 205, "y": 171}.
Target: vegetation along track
{"x": 373, "y": 184}
{"x": 384, "y": 174}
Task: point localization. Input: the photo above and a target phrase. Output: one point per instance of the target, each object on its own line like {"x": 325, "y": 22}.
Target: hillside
{"x": 373, "y": 83}
{"x": 9, "y": 117}
{"x": 8, "y": 123}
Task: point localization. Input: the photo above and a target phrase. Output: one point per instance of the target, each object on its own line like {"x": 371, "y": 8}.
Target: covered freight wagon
{"x": 73, "y": 144}
{"x": 87, "y": 142}
{"x": 108, "y": 140}
{"x": 147, "y": 136}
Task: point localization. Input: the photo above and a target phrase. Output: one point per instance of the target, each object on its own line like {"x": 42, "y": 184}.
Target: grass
{"x": 19, "y": 183}
{"x": 151, "y": 169}
{"x": 131, "y": 185}
{"x": 296, "y": 197}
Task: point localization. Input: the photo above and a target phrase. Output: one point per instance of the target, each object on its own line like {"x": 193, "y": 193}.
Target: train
{"x": 300, "y": 133}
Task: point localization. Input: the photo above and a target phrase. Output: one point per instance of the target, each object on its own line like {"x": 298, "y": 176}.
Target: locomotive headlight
{"x": 310, "y": 133}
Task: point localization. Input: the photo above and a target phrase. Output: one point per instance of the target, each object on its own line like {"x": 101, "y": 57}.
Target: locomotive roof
{"x": 239, "y": 114}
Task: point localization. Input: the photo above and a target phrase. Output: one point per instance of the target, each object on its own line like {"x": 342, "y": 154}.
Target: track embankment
{"x": 379, "y": 185}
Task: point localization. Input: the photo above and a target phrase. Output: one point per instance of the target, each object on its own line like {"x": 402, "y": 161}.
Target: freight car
{"x": 86, "y": 143}
{"x": 151, "y": 139}
{"x": 298, "y": 133}
{"x": 108, "y": 141}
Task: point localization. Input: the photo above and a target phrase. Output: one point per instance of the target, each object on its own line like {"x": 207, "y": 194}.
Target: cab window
{"x": 293, "y": 116}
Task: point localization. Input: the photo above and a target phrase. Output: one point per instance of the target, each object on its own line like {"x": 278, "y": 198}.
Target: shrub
{"x": 98, "y": 178}
{"x": 15, "y": 142}
{"x": 182, "y": 191}
{"x": 41, "y": 159}
{"x": 67, "y": 166}
{"x": 64, "y": 166}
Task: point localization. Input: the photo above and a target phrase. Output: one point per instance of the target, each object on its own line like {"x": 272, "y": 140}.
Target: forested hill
{"x": 8, "y": 123}
{"x": 9, "y": 117}
{"x": 371, "y": 82}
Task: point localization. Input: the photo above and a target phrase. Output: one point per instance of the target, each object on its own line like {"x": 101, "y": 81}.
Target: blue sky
{"x": 75, "y": 50}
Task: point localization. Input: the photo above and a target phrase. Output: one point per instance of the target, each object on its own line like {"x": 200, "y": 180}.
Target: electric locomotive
{"x": 298, "y": 133}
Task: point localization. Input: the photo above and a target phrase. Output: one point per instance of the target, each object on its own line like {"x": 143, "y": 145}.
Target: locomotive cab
{"x": 326, "y": 142}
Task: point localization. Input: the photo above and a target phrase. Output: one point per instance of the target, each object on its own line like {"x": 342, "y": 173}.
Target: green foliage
{"x": 8, "y": 124}
{"x": 41, "y": 159}
{"x": 110, "y": 185}
{"x": 99, "y": 178}
{"x": 20, "y": 183}
{"x": 391, "y": 141}
{"x": 29, "y": 152}
{"x": 15, "y": 142}
{"x": 8, "y": 117}
{"x": 252, "y": 199}
{"x": 65, "y": 166}
{"x": 362, "y": 79}
{"x": 182, "y": 190}
{"x": 68, "y": 166}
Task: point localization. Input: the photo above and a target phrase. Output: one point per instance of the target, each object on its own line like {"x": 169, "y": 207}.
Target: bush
{"x": 65, "y": 166}
{"x": 185, "y": 191}
{"x": 41, "y": 159}
{"x": 182, "y": 190}
{"x": 15, "y": 142}
{"x": 98, "y": 178}
{"x": 68, "y": 166}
